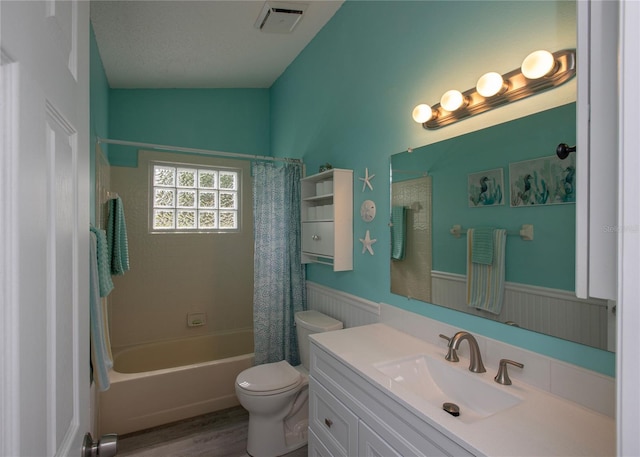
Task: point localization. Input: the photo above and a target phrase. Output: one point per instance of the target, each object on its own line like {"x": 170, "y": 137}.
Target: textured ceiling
{"x": 197, "y": 44}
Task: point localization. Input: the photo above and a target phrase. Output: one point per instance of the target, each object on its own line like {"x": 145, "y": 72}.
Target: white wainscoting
{"x": 351, "y": 310}
{"x": 550, "y": 311}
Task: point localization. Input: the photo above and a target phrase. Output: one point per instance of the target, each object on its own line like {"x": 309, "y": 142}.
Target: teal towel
{"x": 398, "y": 232}
{"x": 485, "y": 283}
{"x": 102, "y": 262}
{"x": 117, "y": 236}
{"x": 482, "y": 245}
{"x": 100, "y": 357}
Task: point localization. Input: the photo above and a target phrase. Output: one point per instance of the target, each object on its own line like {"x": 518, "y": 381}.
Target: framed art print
{"x": 544, "y": 181}
{"x": 485, "y": 188}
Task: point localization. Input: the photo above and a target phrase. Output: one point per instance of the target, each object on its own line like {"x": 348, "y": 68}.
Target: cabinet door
{"x": 317, "y": 238}
{"x": 370, "y": 444}
{"x": 316, "y": 448}
{"x": 597, "y": 150}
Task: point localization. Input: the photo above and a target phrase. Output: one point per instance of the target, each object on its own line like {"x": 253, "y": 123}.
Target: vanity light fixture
{"x": 491, "y": 84}
{"x": 422, "y": 113}
{"x": 453, "y": 100}
{"x": 539, "y": 71}
{"x": 538, "y": 64}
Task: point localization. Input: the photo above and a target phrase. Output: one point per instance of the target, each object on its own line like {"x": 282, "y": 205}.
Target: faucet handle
{"x": 452, "y": 355}
{"x": 503, "y": 375}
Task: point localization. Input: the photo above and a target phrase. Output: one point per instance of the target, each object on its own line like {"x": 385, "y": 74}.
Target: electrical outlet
{"x": 196, "y": 319}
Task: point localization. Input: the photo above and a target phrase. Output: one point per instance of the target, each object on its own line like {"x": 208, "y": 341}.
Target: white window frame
{"x": 197, "y": 207}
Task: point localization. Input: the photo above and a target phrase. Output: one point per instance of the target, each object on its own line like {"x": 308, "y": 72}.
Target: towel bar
{"x": 526, "y": 232}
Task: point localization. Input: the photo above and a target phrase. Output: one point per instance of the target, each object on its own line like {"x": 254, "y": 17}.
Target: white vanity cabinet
{"x": 327, "y": 219}
{"x": 349, "y": 416}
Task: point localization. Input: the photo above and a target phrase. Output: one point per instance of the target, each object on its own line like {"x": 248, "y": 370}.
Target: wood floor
{"x": 219, "y": 434}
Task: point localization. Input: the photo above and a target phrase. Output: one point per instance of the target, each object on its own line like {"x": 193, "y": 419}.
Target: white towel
{"x": 485, "y": 283}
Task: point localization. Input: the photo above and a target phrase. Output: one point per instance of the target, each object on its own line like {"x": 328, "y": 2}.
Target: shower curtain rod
{"x": 206, "y": 152}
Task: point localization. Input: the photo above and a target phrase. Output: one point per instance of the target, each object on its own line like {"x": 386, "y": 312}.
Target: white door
{"x": 44, "y": 220}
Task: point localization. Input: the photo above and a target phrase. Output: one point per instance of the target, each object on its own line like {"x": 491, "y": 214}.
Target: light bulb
{"x": 538, "y": 64}
{"x": 490, "y": 84}
{"x": 422, "y": 113}
{"x": 452, "y": 100}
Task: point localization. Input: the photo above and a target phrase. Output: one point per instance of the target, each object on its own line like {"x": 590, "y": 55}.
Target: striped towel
{"x": 103, "y": 263}
{"x": 101, "y": 360}
{"x": 117, "y": 237}
{"x": 398, "y": 232}
{"x": 485, "y": 283}
{"x": 483, "y": 245}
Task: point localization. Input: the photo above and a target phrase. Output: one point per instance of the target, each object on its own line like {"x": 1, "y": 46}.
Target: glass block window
{"x": 194, "y": 199}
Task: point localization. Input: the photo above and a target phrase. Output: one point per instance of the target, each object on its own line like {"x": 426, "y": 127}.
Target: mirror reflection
{"x": 491, "y": 183}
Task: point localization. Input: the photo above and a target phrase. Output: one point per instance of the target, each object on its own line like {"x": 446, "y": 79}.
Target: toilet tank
{"x": 309, "y": 322}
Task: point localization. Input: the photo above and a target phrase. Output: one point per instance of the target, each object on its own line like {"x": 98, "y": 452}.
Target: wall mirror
{"x": 477, "y": 180}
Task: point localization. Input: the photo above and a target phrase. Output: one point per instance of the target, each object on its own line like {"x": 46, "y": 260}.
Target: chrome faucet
{"x": 475, "y": 359}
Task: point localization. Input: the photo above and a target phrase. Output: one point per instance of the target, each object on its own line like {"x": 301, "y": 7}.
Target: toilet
{"x": 276, "y": 394}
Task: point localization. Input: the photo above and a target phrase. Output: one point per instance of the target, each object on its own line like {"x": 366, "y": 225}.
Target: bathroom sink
{"x": 438, "y": 382}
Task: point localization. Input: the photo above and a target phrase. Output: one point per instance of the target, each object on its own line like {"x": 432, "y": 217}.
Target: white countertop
{"x": 541, "y": 425}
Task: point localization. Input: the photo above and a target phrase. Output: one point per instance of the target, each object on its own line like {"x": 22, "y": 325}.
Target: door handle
{"x": 106, "y": 446}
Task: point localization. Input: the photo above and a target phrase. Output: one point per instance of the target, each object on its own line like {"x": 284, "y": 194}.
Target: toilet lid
{"x": 269, "y": 377}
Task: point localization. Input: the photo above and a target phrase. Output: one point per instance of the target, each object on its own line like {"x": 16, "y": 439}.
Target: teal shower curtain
{"x": 279, "y": 288}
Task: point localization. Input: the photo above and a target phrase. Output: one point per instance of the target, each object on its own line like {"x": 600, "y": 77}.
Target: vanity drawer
{"x": 332, "y": 422}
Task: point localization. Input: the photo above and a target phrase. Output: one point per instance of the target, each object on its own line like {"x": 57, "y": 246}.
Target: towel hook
{"x": 563, "y": 150}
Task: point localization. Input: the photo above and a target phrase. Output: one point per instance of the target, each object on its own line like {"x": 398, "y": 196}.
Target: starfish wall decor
{"x": 367, "y": 242}
{"x": 366, "y": 181}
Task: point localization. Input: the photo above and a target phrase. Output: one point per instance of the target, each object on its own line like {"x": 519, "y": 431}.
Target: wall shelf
{"x": 327, "y": 219}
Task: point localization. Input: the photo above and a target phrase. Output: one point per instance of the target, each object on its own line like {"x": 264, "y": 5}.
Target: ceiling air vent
{"x": 280, "y": 17}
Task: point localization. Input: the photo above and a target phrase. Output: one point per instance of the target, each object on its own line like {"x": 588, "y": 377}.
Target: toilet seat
{"x": 269, "y": 379}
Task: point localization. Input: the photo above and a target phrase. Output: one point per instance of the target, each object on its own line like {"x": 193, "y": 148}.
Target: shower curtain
{"x": 279, "y": 289}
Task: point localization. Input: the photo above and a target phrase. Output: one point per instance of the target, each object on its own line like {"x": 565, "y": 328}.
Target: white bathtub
{"x": 158, "y": 383}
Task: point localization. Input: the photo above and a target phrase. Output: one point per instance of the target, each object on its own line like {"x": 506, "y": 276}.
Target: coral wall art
{"x": 486, "y": 188}
{"x": 544, "y": 181}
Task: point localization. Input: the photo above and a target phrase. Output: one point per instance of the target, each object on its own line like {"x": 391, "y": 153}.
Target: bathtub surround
{"x": 173, "y": 275}
{"x": 279, "y": 290}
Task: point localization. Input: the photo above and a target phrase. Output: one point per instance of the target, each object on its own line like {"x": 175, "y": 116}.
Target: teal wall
{"x": 99, "y": 111}
{"x": 228, "y": 120}
{"x": 549, "y": 260}
{"x": 347, "y": 100}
